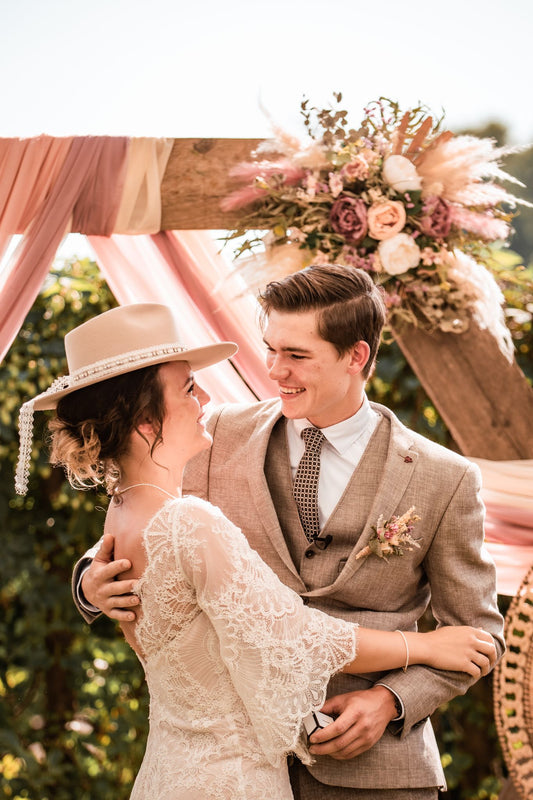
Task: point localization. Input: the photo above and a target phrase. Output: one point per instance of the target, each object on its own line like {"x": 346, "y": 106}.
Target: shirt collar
{"x": 343, "y": 434}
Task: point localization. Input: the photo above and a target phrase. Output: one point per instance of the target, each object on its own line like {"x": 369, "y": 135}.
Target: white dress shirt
{"x": 341, "y": 452}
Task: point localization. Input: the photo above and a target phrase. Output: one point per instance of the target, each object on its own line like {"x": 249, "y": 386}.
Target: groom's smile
{"x": 314, "y": 381}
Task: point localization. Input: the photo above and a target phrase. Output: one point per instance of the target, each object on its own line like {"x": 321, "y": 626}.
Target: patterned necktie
{"x": 305, "y": 488}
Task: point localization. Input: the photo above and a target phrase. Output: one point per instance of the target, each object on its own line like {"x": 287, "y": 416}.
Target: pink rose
{"x": 437, "y": 218}
{"x": 386, "y": 219}
{"x": 348, "y": 217}
{"x": 355, "y": 170}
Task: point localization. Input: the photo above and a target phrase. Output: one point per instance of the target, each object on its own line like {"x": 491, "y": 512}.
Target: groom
{"x": 322, "y": 328}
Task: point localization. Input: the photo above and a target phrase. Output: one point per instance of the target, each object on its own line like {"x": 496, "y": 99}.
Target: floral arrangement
{"x": 414, "y": 205}
{"x": 392, "y": 537}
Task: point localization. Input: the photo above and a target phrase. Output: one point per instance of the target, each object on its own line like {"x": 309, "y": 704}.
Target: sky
{"x": 208, "y": 68}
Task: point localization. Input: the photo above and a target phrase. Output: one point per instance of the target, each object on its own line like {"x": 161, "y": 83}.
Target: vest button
{"x": 310, "y": 554}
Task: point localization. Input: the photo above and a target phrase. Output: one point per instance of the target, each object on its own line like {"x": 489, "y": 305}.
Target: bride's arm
{"x": 461, "y": 648}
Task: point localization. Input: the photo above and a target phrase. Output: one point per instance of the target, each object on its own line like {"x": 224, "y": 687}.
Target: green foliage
{"x": 73, "y": 705}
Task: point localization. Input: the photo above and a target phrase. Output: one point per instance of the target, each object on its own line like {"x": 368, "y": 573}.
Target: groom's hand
{"x": 361, "y": 722}
{"x": 99, "y": 587}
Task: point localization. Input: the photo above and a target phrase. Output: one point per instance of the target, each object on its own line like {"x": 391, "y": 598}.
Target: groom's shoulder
{"x": 241, "y": 415}
{"x": 424, "y": 447}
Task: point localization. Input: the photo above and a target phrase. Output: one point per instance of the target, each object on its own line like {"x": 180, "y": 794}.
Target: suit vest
{"x": 319, "y": 568}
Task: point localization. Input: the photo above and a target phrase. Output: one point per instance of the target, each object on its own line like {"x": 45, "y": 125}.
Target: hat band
{"x": 106, "y": 365}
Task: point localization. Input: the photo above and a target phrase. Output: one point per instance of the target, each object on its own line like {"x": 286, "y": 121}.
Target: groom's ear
{"x": 359, "y": 355}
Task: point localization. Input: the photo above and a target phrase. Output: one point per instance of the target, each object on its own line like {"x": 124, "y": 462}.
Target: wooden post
{"x": 485, "y": 401}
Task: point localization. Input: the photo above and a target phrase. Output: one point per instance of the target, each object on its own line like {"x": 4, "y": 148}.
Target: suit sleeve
{"x": 462, "y": 578}
{"x": 77, "y": 574}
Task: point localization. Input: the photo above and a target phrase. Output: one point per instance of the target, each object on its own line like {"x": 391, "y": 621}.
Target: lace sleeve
{"x": 279, "y": 653}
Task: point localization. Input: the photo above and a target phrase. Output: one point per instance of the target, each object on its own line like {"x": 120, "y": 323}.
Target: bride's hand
{"x": 461, "y": 648}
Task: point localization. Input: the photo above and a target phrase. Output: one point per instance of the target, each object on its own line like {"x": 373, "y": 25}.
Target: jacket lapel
{"x": 254, "y": 456}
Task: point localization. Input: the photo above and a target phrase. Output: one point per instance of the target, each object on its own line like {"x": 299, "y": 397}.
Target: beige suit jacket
{"x": 451, "y": 570}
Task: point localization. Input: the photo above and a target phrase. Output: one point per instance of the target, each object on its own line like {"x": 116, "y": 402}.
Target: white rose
{"x": 399, "y": 253}
{"x": 401, "y": 174}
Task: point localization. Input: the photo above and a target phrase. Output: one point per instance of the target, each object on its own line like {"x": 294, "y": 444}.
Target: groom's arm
{"x": 86, "y": 609}
{"x": 463, "y": 590}
{"x": 462, "y": 578}
{"x": 95, "y": 587}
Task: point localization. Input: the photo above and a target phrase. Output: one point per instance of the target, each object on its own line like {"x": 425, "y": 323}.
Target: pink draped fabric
{"x": 204, "y": 275}
{"x": 507, "y": 491}
{"x": 28, "y": 168}
{"x": 509, "y": 540}
{"x": 137, "y": 272}
{"x": 77, "y": 187}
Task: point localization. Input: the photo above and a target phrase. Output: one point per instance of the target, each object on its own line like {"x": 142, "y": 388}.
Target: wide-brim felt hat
{"x": 122, "y": 340}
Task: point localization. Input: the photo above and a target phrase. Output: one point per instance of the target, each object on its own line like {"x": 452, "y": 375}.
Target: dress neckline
{"x": 118, "y": 492}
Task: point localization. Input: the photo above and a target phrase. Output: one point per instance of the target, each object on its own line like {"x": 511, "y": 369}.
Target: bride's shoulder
{"x": 196, "y": 509}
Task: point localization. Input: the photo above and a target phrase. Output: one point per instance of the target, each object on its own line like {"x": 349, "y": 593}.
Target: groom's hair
{"x": 350, "y": 306}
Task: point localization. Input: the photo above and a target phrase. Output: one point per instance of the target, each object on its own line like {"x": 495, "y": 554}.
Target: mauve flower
{"x": 399, "y": 254}
{"x": 437, "y": 218}
{"x": 348, "y": 217}
{"x": 401, "y": 174}
{"x": 386, "y": 219}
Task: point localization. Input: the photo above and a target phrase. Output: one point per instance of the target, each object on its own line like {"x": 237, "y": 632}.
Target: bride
{"x": 234, "y": 661}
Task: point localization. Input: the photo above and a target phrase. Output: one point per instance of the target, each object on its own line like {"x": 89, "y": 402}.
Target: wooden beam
{"x": 197, "y": 179}
{"x": 485, "y": 401}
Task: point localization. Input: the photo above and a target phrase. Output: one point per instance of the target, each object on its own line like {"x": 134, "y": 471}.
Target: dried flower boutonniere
{"x": 392, "y": 537}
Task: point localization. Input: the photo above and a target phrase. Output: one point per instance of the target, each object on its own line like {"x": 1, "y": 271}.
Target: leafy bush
{"x": 73, "y": 701}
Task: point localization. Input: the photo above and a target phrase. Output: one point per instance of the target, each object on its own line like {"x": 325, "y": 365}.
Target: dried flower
{"x": 355, "y": 170}
{"x": 399, "y": 254}
{"x": 436, "y": 219}
{"x": 397, "y": 197}
{"x": 386, "y": 219}
{"x": 401, "y": 174}
{"x": 348, "y": 216}
{"x": 392, "y": 537}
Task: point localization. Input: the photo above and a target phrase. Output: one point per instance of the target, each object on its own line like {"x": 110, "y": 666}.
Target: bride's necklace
{"x": 118, "y": 491}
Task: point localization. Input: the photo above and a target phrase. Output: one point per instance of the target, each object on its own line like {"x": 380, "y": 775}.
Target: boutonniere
{"x": 392, "y": 537}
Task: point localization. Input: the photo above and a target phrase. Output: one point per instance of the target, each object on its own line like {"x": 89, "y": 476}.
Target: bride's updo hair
{"x": 92, "y": 426}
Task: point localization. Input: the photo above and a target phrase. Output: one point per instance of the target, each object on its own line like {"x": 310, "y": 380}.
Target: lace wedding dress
{"x": 233, "y": 662}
